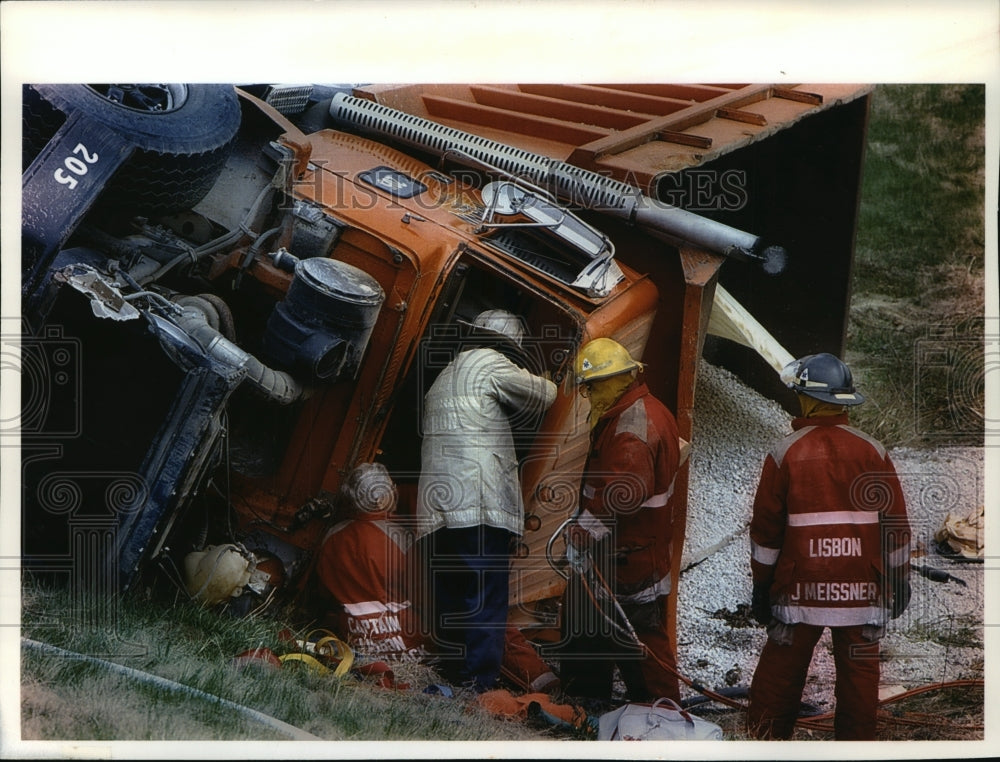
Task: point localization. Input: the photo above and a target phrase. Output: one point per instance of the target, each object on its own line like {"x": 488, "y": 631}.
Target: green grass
{"x": 915, "y": 327}
{"x": 69, "y": 699}
{"x": 922, "y": 198}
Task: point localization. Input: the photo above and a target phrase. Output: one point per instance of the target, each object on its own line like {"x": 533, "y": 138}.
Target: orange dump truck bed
{"x": 783, "y": 161}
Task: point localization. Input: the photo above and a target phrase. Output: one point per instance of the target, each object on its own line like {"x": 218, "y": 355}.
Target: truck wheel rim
{"x": 152, "y": 98}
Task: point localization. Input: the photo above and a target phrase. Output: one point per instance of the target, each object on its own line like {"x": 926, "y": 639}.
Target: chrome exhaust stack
{"x": 581, "y": 187}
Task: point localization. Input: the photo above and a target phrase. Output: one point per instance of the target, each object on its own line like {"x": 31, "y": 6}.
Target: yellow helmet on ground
{"x": 603, "y": 358}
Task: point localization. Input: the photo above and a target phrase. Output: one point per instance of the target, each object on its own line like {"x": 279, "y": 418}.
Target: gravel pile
{"x": 939, "y": 638}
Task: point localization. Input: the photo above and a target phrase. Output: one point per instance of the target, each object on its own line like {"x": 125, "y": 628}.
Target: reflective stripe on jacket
{"x": 628, "y": 487}
{"x": 468, "y": 471}
{"x": 829, "y": 525}
{"x": 362, "y": 565}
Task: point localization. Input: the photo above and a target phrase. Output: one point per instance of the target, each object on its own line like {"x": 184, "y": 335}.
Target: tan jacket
{"x": 468, "y": 461}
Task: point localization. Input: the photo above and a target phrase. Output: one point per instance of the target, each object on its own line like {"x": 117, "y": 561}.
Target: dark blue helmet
{"x": 824, "y": 377}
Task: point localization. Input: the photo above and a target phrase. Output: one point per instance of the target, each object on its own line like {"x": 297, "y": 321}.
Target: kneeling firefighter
{"x": 624, "y": 522}
{"x": 829, "y": 542}
{"x": 366, "y": 580}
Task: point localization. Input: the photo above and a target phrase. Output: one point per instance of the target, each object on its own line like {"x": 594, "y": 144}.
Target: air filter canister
{"x": 323, "y": 325}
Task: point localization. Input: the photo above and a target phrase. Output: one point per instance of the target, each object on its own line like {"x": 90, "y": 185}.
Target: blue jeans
{"x": 470, "y": 577}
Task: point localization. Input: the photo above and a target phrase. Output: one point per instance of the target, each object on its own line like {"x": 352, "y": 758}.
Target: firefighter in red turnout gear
{"x": 829, "y": 548}
{"x": 362, "y": 564}
{"x": 625, "y": 521}
{"x": 364, "y": 568}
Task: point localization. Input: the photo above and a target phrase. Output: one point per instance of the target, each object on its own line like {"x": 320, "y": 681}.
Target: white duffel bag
{"x": 664, "y": 720}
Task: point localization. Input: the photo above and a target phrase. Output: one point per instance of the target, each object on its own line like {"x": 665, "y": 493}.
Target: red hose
{"x": 822, "y": 722}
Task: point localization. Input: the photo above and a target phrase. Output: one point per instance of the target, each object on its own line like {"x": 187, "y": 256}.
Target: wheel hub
{"x": 153, "y": 98}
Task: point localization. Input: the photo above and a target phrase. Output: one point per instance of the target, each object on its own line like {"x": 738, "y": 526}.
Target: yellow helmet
{"x": 603, "y": 358}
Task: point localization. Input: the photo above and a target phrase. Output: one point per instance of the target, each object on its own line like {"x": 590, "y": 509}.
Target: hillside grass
{"x": 65, "y": 698}
{"x": 916, "y": 328}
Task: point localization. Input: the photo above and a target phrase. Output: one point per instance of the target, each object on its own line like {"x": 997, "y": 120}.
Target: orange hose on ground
{"x": 819, "y": 722}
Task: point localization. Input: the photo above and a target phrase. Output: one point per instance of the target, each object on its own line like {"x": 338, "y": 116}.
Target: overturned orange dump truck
{"x": 232, "y": 352}
{"x": 781, "y": 161}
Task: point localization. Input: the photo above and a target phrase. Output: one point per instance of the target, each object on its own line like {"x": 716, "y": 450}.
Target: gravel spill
{"x": 939, "y": 637}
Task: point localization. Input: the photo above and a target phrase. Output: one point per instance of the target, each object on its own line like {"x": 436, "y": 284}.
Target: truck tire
{"x": 182, "y": 135}
{"x": 39, "y": 122}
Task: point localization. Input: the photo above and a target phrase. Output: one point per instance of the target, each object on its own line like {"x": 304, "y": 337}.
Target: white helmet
{"x": 501, "y": 322}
